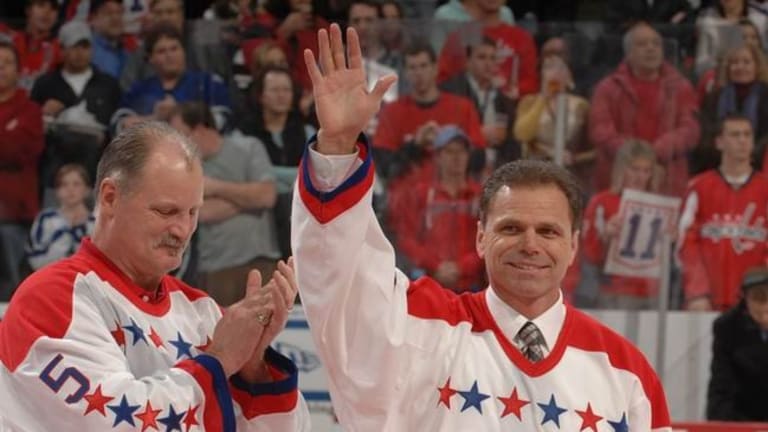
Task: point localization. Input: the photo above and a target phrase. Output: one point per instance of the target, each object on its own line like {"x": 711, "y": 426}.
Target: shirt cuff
{"x": 330, "y": 171}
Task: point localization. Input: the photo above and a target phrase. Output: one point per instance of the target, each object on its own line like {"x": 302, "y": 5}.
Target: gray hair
{"x": 127, "y": 154}
{"x": 626, "y": 41}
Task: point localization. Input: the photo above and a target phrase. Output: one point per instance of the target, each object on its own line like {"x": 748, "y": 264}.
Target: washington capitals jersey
{"x": 84, "y": 349}
{"x": 412, "y": 356}
{"x": 722, "y": 234}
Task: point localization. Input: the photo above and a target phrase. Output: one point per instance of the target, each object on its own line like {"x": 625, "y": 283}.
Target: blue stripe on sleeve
{"x": 357, "y": 177}
{"x": 221, "y": 388}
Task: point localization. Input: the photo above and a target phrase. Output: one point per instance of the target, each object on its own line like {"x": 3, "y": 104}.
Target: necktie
{"x": 531, "y": 341}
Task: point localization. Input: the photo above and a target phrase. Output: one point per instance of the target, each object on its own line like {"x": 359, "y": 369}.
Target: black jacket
{"x": 507, "y": 151}
{"x": 622, "y": 12}
{"x": 101, "y": 93}
{"x": 739, "y": 372}
{"x": 459, "y": 85}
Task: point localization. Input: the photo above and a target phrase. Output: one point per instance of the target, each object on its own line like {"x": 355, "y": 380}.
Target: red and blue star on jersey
{"x": 138, "y": 335}
{"x": 551, "y": 411}
{"x": 98, "y": 402}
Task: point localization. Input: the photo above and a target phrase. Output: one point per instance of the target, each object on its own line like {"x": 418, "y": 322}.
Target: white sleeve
{"x": 353, "y": 296}
{"x": 329, "y": 171}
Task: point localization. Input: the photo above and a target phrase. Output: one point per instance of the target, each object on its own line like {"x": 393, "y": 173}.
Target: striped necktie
{"x": 531, "y": 342}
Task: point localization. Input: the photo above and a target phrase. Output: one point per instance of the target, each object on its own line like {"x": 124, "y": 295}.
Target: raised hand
{"x": 344, "y": 105}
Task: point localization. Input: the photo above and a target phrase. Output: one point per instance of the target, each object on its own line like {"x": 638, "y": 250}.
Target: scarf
{"x": 728, "y": 102}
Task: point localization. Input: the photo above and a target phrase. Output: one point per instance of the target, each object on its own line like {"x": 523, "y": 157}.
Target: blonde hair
{"x": 629, "y": 151}
{"x": 558, "y": 61}
{"x": 259, "y": 55}
{"x": 761, "y": 64}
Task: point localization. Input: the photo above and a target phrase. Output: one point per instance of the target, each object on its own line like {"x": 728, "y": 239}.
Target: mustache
{"x": 172, "y": 241}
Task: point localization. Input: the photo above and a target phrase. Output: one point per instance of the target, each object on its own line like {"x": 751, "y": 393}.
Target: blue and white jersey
{"x": 193, "y": 86}
{"x": 53, "y": 237}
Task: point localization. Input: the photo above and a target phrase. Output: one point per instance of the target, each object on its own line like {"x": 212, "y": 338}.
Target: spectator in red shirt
{"x": 635, "y": 167}
{"x": 294, "y": 25}
{"x": 37, "y": 47}
{"x": 409, "y": 124}
{"x": 648, "y": 99}
{"x": 21, "y": 143}
{"x": 722, "y": 223}
{"x": 516, "y": 50}
{"x": 435, "y": 222}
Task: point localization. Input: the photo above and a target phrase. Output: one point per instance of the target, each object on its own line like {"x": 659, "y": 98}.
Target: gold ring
{"x": 264, "y": 317}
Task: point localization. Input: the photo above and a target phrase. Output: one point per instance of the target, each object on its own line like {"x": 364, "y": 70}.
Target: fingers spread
{"x": 324, "y": 46}
{"x": 382, "y": 85}
{"x": 354, "y": 53}
{"x": 337, "y": 48}
{"x": 314, "y": 72}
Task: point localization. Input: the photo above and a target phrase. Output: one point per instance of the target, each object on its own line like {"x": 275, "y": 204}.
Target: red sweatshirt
{"x": 21, "y": 143}
{"x": 433, "y": 227}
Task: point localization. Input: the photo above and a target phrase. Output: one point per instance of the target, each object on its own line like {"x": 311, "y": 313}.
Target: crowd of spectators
{"x": 668, "y": 97}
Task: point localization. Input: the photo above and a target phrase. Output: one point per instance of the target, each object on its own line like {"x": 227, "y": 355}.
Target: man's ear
{"x": 480, "y": 239}
{"x": 574, "y": 246}
{"x": 107, "y": 196}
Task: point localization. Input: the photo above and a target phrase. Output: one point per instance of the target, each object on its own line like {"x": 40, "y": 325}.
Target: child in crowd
{"x": 56, "y": 232}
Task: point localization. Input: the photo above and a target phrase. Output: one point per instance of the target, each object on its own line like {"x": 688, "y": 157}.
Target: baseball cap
{"x": 449, "y": 133}
{"x": 73, "y": 33}
{"x": 755, "y": 276}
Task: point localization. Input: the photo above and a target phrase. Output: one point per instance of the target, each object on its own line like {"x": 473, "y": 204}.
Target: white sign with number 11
{"x": 647, "y": 222}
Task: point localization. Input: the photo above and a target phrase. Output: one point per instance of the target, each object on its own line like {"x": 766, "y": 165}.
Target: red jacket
{"x": 433, "y": 227}
{"x": 601, "y": 208}
{"x": 293, "y": 46}
{"x": 723, "y": 234}
{"x": 36, "y": 56}
{"x": 612, "y": 121}
{"x": 21, "y": 143}
{"x": 399, "y": 120}
{"x": 515, "y": 52}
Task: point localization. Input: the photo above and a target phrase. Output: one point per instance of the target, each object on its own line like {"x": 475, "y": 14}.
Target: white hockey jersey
{"x": 52, "y": 237}
{"x": 411, "y": 356}
{"x": 84, "y": 349}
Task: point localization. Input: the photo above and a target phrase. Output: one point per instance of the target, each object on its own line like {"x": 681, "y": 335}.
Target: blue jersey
{"x": 193, "y": 86}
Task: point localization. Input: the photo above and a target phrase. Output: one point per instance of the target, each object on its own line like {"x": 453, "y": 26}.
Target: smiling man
{"x": 410, "y": 355}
